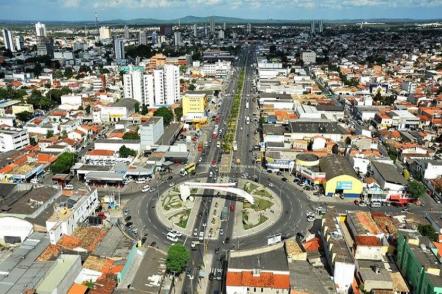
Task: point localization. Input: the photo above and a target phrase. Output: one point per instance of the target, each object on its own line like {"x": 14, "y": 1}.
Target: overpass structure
{"x": 222, "y": 187}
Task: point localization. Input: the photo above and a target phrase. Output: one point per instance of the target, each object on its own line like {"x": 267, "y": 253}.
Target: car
{"x": 284, "y": 179}
{"x": 170, "y": 178}
{"x": 152, "y": 190}
{"x": 141, "y": 181}
{"x": 146, "y": 188}
{"x": 128, "y": 224}
{"x": 201, "y": 236}
{"x": 178, "y": 234}
{"x": 211, "y": 275}
{"x": 195, "y": 233}
{"x": 279, "y": 173}
{"x": 221, "y": 232}
{"x": 171, "y": 184}
{"x": 300, "y": 236}
{"x": 307, "y": 188}
{"x": 404, "y": 210}
{"x": 310, "y": 218}
{"x": 127, "y": 218}
{"x": 271, "y": 185}
{"x": 34, "y": 181}
{"x": 194, "y": 244}
{"x": 69, "y": 187}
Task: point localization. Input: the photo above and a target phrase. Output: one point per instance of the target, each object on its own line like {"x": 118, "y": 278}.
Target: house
{"x": 389, "y": 179}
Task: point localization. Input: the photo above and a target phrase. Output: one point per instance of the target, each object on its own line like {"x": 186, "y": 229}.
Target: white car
{"x": 34, "y": 181}
{"x": 171, "y": 184}
{"x": 146, "y": 188}
{"x": 69, "y": 187}
{"x": 141, "y": 181}
{"x": 271, "y": 185}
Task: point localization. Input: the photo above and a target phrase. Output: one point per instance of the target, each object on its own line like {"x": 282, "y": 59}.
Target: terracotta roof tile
{"x": 264, "y": 280}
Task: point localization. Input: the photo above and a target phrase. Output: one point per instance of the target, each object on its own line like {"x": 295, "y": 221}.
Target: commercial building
{"x": 262, "y": 270}
{"x": 61, "y": 276}
{"x": 40, "y": 29}
{"x": 142, "y": 37}
{"x": 153, "y": 90}
{"x": 308, "y": 57}
{"x": 119, "y": 49}
{"x": 390, "y": 180}
{"x": 194, "y": 107}
{"x": 341, "y": 179}
{"x": 151, "y": 132}
{"x": 14, "y": 230}
{"x": 307, "y": 129}
{"x": 177, "y": 39}
{"x": 13, "y": 139}
{"x": 307, "y": 168}
{"x": 105, "y": 33}
{"x": 8, "y": 41}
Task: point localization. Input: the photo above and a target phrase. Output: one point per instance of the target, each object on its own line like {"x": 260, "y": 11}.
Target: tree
{"x": 177, "y": 258}
{"x": 49, "y": 133}
{"x": 192, "y": 87}
{"x": 131, "y": 136}
{"x": 58, "y": 74}
{"x": 165, "y": 113}
{"x": 24, "y": 116}
{"x": 178, "y": 113}
{"x": 55, "y": 94}
{"x": 126, "y": 152}
{"x": 348, "y": 141}
{"x": 428, "y": 231}
{"x": 416, "y": 189}
{"x": 144, "y": 109}
{"x": 63, "y": 163}
{"x": 88, "y": 109}
{"x": 137, "y": 107}
{"x": 68, "y": 73}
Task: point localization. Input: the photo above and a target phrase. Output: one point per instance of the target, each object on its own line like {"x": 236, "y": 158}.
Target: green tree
{"x": 58, "y": 74}
{"x": 416, "y": 189}
{"x": 24, "y": 116}
{"x": 166, "y": 113}
{"x": 137, "y": 107}
{"x": 49, "y": 133}
{"x": 178, "y": 113}
{"x": 428, "y": 231}
{"x": 131, "y": 136}
{"x": 126, "y": 152}
{"x": 144, "y": 109}
{"x": 88, "y": 109}
{"x": 11, "y": 93}
{"x": 177, "y": 258}
{"x": 55, "y": 94}
{"x": 192, "y": 87}
{"x": 63, "y": 163}
{"x": 68, "y": 73}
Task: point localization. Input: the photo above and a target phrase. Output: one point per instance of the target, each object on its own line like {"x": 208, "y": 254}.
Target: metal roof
{"x": 335, "y": 166}
{"x": 389, "y": 173}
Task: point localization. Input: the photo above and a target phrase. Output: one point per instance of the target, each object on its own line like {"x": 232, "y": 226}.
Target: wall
{"x": 343, "y": 276}
{"x": 356, "y": 186}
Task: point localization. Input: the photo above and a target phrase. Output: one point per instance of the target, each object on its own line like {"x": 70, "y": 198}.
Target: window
{"x": 254, "y": 289}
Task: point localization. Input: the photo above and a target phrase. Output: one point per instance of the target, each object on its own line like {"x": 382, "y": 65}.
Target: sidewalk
{"x": 207, "y": 267}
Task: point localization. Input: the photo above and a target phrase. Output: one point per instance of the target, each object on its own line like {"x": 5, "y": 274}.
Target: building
{"x": 14, "y": 230}
{"x": 341, "y": 179}
{"x": 262, "y": 270}
{"x": 105, "y": 33}
{"x": 221, "y": 34}
{"x": 195, "y": 31}
{"x": 428, "y": 169}
{"x": 45, "y": 47}
{"x": 217, "y": 69}
{"x": 126, "y": 33}
{"x": 67, "y": 215}
{"x": 249, "y": 28}
{"x": 390, "y": 180}
{"x": 312, "y": 27}
{"x": 142, "y": 38}
{"x": 154, "y": 37}
{"x": 419, "y": 262}
{"x": 13, "y": 139}
{"x": 308, "y": 129}
{"x": 8, "y": 40}
{"x": 19, "y": 43}
{"x": 194, "y": 107}
{"x": 177, "y": 39}
{"x": 61, "y": 276}
{"x": 151, "y": 132}
{"x": 153, "y": 90}
{"x": 308, "y": 57}
{"x": 166, "y": 30}
{"x": 119, "y": 49}
{"x": 40, "y": 29}
{"x": 321, "y": 26}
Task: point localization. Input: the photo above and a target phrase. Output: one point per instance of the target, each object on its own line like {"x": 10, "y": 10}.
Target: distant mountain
{"x": 217, "y": 19}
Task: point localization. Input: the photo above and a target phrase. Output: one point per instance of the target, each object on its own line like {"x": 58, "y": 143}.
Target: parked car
{"x": 145, "y": 188}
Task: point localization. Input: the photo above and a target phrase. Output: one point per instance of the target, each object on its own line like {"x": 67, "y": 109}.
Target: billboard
{"x": 344, "y": 185}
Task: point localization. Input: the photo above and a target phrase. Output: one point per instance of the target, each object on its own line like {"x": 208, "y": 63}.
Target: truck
{"x": 188, "y": 169}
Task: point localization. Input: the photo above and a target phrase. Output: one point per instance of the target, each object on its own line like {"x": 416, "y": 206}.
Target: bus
{"x": 188, "y": 169}
{"x": 235, "y": 146}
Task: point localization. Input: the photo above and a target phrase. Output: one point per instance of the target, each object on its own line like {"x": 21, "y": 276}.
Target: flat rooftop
{"x": 316, "y": 127}
{"x": 271, "y": 258}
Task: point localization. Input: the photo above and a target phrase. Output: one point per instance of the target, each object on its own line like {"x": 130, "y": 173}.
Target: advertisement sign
{"x": 344, "y": 185}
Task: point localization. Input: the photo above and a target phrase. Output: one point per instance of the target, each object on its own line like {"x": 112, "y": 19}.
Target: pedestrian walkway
{"x": 203, "y": 282}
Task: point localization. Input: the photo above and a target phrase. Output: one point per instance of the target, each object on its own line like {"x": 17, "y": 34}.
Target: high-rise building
{"x": 212, "y": 26}
{"x": 177, "y": 39}
{"x": 142, "y": 38}
{"x": 154, "y": 38}
{"x": 19, "y": 43}
{"x": 205, "y": 30}
{"x": 195, "y": 32}
{"x": 166, "y": 30}
{"x": 312, "y": 27}
{"x": 157, "y": 89}
{"x": 221, "y": 34}
{"x": 224, "y": 26}
{"x": 105, "y": 33}
{"x": 7, "y": 40}
{"x": 40, "y": 29}
{"x": 126, "y": 32}
{"x": 45, "y": 47}
{"x": 119, "y": 49}
{"x": 321, "y": 26}
{"x": 249, "y": 28}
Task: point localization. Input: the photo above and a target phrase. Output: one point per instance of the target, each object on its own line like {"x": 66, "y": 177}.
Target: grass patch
{"x": 245, "y": 216}
{"x": 183, "y": 218}
{"x": 171, "y": 202}
{"x": 260, "y": 204}
{"x": 263, "y": 193}
{"x": 262, "y": 219}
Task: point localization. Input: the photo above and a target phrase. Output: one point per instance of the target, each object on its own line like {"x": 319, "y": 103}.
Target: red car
{"x": 213, "y": 163}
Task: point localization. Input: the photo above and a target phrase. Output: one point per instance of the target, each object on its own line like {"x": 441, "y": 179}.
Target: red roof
{"x": 367, "y": 241}
{"x": 264, "y": 280}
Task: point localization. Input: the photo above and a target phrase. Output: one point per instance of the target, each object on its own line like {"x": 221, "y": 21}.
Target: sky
{"x": 80, "y": 10}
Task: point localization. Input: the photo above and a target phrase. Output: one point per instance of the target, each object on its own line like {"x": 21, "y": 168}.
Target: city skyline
{"x": 81, "y": 10}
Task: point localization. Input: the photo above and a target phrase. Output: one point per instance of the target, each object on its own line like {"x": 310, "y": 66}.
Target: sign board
{"x": 274, "y": 239}
{"x": 344, "y": 185}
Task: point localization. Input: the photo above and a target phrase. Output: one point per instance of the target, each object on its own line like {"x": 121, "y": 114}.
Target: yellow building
{"x": 341, "y": 179}
{"x": 194, "y": 107}
{"x": 22, "y": 108}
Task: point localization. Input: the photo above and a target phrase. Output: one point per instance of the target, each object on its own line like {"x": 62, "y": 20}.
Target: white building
{"x": 70, "y": 102}
{"x": 308, "y": 57}
{"x": 142, "y": 37}
{"x": 157, "y": 89}
{"x": 68, "y": 215}
{"x": 19, "y": 43}
{"x": 14, "y": 230}
{"x": 151, "y": 132}
{"x": 119, "y": 49}
{"x": 8, "y": 40}
{"x": 389, "y": 179}
{"x": 40, "y": 29}
{"x": 13, "y": 139}
{"x": 105, "y": 33}
{"x": 177, "y": 39}
{"x": 217, "y": 69}
{"x": 221, "y": 34}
